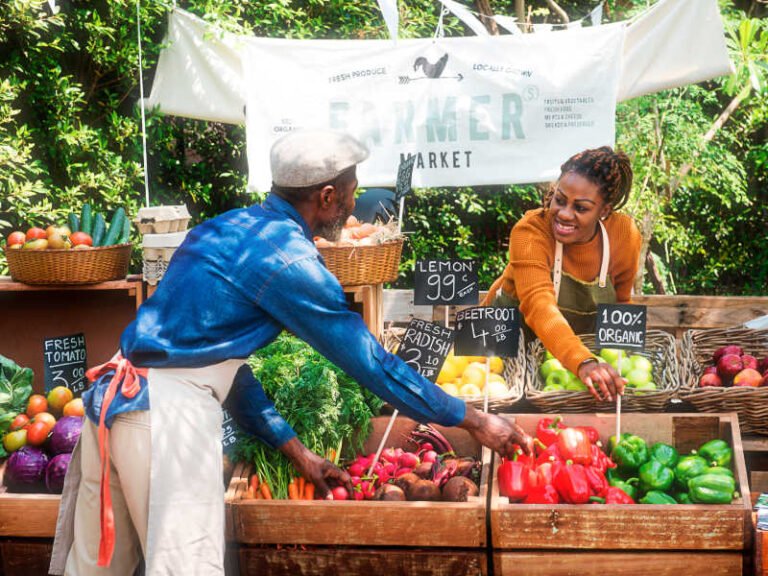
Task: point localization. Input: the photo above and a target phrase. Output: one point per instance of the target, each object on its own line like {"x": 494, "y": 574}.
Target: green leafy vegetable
{"x": 15, "y": 390}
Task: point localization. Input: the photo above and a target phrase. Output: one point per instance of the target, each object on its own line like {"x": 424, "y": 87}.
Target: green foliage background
{"x": 70, "y": 132}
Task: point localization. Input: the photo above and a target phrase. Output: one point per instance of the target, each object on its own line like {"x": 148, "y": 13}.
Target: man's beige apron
{"x": 576, "y": 299}
{"x": 166, "y": 482}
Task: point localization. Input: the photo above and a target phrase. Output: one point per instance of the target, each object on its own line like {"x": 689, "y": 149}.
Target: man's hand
{"x": 495, "y": 432}
{"x": 315, "y": 469}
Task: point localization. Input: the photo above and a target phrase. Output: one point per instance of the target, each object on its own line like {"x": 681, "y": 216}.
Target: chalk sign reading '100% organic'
{"x": 445, "y": 282}
{"x": 425, "y": 346}
{"x": 487, "y": 331}
{"x": 64, "y": 362}
{"x": 620, "y": 326}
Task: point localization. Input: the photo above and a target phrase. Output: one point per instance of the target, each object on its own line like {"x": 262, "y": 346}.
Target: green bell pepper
{"x": 627, "y": 486}
{"x": 665, "y": 454}
{"x": 717, "y": 451}
{"x": 656, "y": 497}
{"x": 719, "y": 470}
{"x": 682, "y": 498}
{"x": 629, "y": 453}
{"x": 689, "y": 467}
{"x": 712, "y": 489}
{"x": 655, "y": 476}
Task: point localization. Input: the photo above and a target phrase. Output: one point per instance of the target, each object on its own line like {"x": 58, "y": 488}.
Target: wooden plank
{"x": 130, "y": 283}
{"x": 26, "y": 558}
{"x": 549, "y": 563}
{"x": 15, "y": 517}
{"x": 361, "y": 562}
{"x": 754, "y": 443}
{"x": 636, "y": 527}
{"x": 758, "y": 481}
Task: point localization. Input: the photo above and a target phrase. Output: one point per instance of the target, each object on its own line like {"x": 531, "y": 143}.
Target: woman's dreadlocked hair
{"x": 610, "y": 171}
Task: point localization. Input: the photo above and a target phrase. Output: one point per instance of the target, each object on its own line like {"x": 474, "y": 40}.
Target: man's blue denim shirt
{"x": 234, "y": 284}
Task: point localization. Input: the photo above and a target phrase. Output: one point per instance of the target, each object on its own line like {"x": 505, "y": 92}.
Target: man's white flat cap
{"x": 309, "y": 157}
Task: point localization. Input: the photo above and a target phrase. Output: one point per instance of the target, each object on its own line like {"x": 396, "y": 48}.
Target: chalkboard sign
{"x": 487, "y": 331}
{"x": 228, "y": 432}
{"x": 620, "y": 326}
{"x": 404, "y": 177}
{"x": 425, "y": 346}
{"x": 444, "y": 282}
{"x": 64, "y": 360}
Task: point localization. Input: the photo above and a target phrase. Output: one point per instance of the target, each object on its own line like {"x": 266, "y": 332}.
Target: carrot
{"x": 309, "y": 491}
{"x": 265, "y": 491}
{"x": 255, "y": 483}
{"x": 249, "y": 495}
{"x": 332, "y": 455}
{"x": 293, "y": 491}
{"x": 301, "y": 483}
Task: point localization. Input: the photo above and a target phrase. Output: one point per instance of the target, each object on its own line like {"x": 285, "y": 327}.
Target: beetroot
{"x": 459, "y": 489}
{"x": 389, "y": 492}
{"x": 424, "y": 470}
{"x": 423, "y": 490}
{"x": 406, "y": 481}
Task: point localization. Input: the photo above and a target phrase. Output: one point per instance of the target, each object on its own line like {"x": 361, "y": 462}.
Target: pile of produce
{"x": 82, "y": 232}
{"x": 732, "y": 367}
{"x": 465, "y": 377}
{"x": 637, "y": 369}
{"x": 39, "y": 433}
{"x": 356, "y": 233}
{"x": 570, "y": 467}
{"x": 326, "y": 408}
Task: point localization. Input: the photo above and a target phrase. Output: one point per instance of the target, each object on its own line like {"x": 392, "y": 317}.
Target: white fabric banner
{"x": 391, "y": 16}
{"x": 470, "y": 116}
{"x": 463, "y": 14}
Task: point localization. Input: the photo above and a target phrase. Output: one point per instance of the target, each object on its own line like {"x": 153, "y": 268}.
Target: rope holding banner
{"x": 141, "y": 104}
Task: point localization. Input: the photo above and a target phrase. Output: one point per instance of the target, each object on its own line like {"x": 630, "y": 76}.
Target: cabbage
{"x": 25, "y": 469}
{"x": 65, "y": 435}
{"x": 55, "y": 472}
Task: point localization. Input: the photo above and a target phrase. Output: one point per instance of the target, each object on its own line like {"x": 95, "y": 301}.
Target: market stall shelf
{"x": 366, "y": 523}
{"x": 632, "y": 527}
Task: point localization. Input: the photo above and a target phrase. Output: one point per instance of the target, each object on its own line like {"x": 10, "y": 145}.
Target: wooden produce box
{"x": 27, "y": 515}
{"x": 632, "y": 527}
{"x": 366, "y": 523}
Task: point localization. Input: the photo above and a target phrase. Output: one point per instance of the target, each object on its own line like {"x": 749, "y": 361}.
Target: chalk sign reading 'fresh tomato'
{"x": 445, "y": 282}
{"x": 487, "y": 331}
{"x": 620, "y": 326}
{"x": 425, "y": 346}
{"x": 65, "y": 363}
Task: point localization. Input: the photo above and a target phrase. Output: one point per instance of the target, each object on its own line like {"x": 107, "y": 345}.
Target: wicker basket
{"x": 696, "y": 353}
{"x": 356, "y": 265}
{"x": 69, "y": 266}
{"x": 659, "y": 349}
{"x": 514, "y": 374}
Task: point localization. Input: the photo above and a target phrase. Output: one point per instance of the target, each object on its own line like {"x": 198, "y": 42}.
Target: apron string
{"x": 557, "y": 271}
{"x": 606, "y": 256}
{"x": 128, "y": 375}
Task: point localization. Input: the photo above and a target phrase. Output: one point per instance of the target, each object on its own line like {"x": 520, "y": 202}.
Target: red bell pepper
{"x": 551, "y": 454}
{"x": 521, "y": 456}
{"x": 617, "y": 496}
{"x": 592, "y": 433}
{"x": 574, "y": 445}
{"x": 514, "y": 479}
{"x": 600, "y": 460}
{"x": 598, "y": 485}
{"x": 571, "y": 483}
{"x": 545, "y": 472}
{"x": 548, "y": 428}
{"x": 543, "y": 494}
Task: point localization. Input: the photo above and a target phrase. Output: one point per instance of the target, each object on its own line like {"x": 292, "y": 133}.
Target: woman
{"x": 570, "y": 255}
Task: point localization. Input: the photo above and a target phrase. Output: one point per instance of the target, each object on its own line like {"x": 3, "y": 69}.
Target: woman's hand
{"x": 602, "y": 380}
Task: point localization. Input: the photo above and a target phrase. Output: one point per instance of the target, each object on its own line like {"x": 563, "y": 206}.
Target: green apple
{"x": 638, "y": 378}
{"x": 549, "y": 366}
{"x": 574, "y": 383}
{"x": 647, "y": 387}
{"x": 641, "y": 363}
{"x": 610, "y": 355}
{"x": 626, "y": 366}
{"x": 557, "y": 378}
{"x": 548, "y": 355}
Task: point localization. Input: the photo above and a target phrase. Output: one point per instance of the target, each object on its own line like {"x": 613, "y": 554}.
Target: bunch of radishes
{"x": 732, "y": 367}
{"x": 431, "y": 471}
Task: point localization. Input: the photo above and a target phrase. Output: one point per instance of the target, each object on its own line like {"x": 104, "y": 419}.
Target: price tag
{"x": 620, "y": 326}
{"x": 404, "y": 177}
{"x": 228, "y": 432}
{"x": 64, "y": 361}
{"x": 487, "y": 331}
{"x": 444, "y": 282}
{"x": 425, "y": 346}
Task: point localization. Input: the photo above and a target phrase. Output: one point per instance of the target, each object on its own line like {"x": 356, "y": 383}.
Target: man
{"x": 235, "y": 283}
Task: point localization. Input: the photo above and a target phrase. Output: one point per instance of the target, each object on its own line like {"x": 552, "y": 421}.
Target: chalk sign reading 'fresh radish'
{"x": 445, "y": 282}
{"x": 425, "y": 346}
{"x": 487, "y": 331}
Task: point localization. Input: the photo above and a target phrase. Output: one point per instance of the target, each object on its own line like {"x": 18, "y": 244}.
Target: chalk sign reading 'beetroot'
{"x": 487, "y": 331}
{"x": 65, "y": 363}
{"x": 425, "y": 346}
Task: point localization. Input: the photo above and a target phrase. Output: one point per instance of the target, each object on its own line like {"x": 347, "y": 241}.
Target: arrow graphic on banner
{"x": 406, "y": 79}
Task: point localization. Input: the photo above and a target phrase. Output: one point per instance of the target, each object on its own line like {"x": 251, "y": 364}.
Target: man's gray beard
{"x": 332, "y": 231}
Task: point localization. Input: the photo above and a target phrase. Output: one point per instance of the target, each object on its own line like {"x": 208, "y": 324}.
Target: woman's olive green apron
{"x": 577, "y": 300}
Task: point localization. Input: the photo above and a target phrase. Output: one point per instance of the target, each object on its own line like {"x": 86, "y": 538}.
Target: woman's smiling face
{"x": 576, "y": 207}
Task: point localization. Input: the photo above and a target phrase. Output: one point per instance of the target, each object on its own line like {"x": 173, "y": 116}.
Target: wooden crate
{"x": 366, "y": 523}
{"x": 633, "y": 527}
{"x": 27, "y": 515}
{"x": 26, "y": 557}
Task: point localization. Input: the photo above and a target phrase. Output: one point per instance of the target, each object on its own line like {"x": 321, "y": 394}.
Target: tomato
{"x": 74, "y": 408}
{"x": 58, "y": 398}
{"x": 45, "y": 417}
{"x": 15, "y": 440}
{"x": 58, "y": 237}
{"x": 36, "y": 233}
{"x": 37, "y": 433}
{"x": 19, "y": 422}
{"x": 37, "y": 403}
{"x": 78, "y": 238}
{"x": 16, "y": 238}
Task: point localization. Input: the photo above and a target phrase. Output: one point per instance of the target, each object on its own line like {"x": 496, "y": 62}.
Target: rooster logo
{"x": 431, "y": 70}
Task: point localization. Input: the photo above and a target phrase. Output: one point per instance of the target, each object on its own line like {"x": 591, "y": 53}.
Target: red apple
{"x": 720, "y": 352}
{"x": 15, "y": 238}
{"x": 729, "y": 365}
{"x": 747, "y": 377}
{"x": 710, "y": 370}
{"x": 710, "y": 379}
{"x": 764, "y": 381}
{"x": 762, "y": 367}
{"x": 749, "y": 361}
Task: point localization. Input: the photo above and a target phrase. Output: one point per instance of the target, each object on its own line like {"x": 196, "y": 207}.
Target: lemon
{"x": 496, "y": 388}
{"x": 449, "y": 372}
{"x": 474, "y": 374}
{"x": 470, "y": 390}
{"x": 496, "y": 378}
{"x": 461, "y": 362}
{"x": 497, "y": 365}
{"x": 450, "y": 388}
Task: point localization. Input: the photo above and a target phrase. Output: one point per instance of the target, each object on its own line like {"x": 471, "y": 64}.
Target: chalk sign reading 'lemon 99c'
{"x": 620, "y": 326}
{"x": 425, "y": 346}
{"x": 445, "y": 282}
{"x": 65, "y": 363}
{"x": 487, "y": 331}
